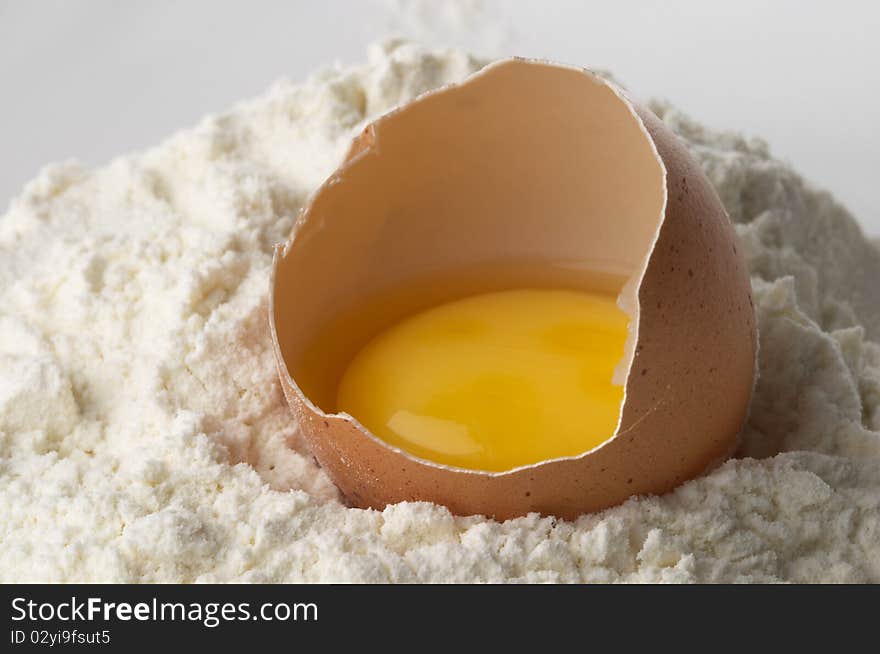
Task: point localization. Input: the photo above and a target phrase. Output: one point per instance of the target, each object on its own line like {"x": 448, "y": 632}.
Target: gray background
{"x": 95, "y": 78}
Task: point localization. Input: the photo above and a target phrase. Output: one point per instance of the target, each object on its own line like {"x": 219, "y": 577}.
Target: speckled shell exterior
{"x": 687, "y": 392}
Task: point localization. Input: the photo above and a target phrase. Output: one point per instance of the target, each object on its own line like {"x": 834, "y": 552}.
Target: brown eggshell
{"x": 528, "y": 161}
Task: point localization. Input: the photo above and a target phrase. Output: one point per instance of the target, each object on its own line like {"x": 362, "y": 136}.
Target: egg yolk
{"x": 493, "y": 381}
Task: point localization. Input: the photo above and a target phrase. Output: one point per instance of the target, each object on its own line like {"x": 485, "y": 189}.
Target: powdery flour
{"x": 143, "y": 435}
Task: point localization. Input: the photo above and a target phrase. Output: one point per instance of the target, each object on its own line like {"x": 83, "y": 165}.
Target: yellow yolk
{"x": 493, "y": 381}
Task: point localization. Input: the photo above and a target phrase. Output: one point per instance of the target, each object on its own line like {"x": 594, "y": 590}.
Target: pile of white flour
{"x": 144, "y": 437}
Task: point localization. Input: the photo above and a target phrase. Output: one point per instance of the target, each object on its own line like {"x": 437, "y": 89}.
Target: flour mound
{"x": 144, "y": 437}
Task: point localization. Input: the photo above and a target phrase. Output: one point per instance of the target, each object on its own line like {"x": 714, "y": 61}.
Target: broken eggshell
{"x": 527, "y": 160}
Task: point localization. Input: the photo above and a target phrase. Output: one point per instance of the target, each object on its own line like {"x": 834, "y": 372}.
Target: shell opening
{"x": 523, "y": 164}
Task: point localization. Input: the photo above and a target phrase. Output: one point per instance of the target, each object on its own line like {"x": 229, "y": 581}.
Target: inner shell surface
{"x": 510, "y": 167}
